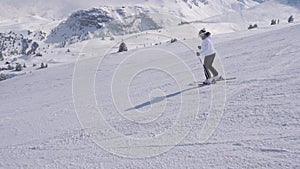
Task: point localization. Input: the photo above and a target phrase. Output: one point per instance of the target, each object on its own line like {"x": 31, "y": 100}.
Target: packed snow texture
{"x": 145, "y": 92}
{"x": 259, "y": 128}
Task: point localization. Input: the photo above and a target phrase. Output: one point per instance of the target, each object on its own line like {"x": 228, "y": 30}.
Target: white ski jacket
{"x": 207, "y": 47}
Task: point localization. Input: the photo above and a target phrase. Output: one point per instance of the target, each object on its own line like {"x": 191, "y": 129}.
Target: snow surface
{"x": 95, "y": 108}
{"x": 259, "y": 127}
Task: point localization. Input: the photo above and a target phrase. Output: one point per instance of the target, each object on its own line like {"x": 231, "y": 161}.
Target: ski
{"x": 197, "y": 83}
{"x": 225, "y": 79}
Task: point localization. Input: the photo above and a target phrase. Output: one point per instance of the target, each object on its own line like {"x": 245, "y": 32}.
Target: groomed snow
{"x": 258, "y": 129}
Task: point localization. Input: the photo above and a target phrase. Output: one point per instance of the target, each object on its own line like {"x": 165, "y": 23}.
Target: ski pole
{"x": 205, "y": 70}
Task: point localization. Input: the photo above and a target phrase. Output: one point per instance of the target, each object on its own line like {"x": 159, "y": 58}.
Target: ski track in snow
{"x": 259, "y": 128}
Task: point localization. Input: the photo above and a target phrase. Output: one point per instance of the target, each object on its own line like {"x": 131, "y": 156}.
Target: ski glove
{"x": 197, "y": 53}
{"x": 199, "y": 47}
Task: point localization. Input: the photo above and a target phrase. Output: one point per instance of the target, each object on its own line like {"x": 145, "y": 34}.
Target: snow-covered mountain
{"x": 114, "y": 18}
{"x": 109, "y": 21}
{"x": 101, "y": 23}
{"x": 39, "y": 27}
{"x": 67, "y": 22}
{"x": 262, "y": 15}
{"x": 57, "y": 9}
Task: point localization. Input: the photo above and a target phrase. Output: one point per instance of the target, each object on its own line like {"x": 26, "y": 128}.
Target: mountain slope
{"x": 45, "y": 11}
{"x": 102, "y": 22}
{"x": 258, "y": 128}
{"x": 61, "y": 9}
{"x": 260, "y": 15}
{"x": 114, "y": 23}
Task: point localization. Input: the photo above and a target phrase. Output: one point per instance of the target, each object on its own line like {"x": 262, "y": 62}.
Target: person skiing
{"x": 208, "y": 51}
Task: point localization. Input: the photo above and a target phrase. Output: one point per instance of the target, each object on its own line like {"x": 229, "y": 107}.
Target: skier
{"x": 208, "y": 51}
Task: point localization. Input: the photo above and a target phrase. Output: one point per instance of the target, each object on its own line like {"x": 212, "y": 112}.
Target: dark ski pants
{"x": 208, "y": 61}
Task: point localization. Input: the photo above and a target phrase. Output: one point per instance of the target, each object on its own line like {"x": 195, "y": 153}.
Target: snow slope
{"x": 218, "y": 16}
{"x": 261, "y": 15}
{"x": 40, "y": 127}
{"x": 68, "y": 22}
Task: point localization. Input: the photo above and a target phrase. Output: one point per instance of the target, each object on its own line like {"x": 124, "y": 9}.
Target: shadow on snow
{"x": 162, "y": 98}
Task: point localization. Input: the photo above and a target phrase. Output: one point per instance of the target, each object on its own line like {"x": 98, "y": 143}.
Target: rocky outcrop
{"x": 100, "y": 23}
{"x": 12, "y": 44}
